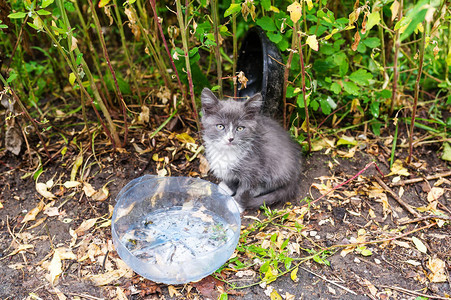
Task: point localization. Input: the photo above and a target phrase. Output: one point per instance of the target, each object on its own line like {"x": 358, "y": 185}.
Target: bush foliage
{"x": 348, "y": 64}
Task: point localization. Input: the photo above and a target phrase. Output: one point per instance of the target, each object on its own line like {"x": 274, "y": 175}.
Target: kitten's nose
{"x": 230, "y": 139}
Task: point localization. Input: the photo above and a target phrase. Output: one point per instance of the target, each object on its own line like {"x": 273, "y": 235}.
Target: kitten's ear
{"x": 209, "y": 100}
{"x": 253, "y": 104}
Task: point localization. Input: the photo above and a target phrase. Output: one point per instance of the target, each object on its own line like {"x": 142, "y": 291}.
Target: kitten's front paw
{"x": 223, "y": 187}
{"x": 240, "y": 208}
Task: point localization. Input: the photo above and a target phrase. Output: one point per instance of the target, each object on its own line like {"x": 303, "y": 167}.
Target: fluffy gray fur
{"x": 252, "y": 154}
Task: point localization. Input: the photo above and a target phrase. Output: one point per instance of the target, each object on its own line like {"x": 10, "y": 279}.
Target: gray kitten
{"x": 252, "y": 154}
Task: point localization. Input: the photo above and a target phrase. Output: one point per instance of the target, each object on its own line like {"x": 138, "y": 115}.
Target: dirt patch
{"x": 395, "y": 268}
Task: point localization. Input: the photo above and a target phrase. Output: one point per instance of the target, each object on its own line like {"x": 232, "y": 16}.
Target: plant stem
{"x": 113, "y": 73}
{"x": 214, "y": 12}
{"x": 393, "y": 148}
{"x": 397, "y": 43}
{"x": 415, "y": 99}
{"x": 382, "y": 39}
{"x": 235, "y": 51}
{"x": 153, "y": 51}
{"x": 154, "y": 9}
{"x": 93, "y": 52}
{"x": 287, "y": 73}
{"x": 114, "y": 138}
{"x": 307, "y": 119}
{"x": 184, "y": 33}
{"x": 127, "y": 52}
{"x": 25, "y": 111}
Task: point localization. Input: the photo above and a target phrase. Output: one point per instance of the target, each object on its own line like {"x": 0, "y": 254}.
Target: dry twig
{"x": 397, "y": 198}
{"x": 330, "y": 281}
{"x": 414, "y": 180}
{"x": 411, "y": 292}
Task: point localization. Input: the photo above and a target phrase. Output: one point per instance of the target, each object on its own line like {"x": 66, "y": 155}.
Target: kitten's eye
{"x": 240, "y": 128}
{"x": 220, "y": 126}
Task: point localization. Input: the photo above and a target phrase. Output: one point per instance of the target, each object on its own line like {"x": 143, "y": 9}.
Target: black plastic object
{"x": 261, "y": 62}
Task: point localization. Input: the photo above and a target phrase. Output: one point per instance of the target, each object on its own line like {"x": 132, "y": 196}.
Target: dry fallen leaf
{"x": 31, "y": 215}
{"x": 398, "y": 169}
{"x": 435, "y": 193}
{"x": 51, "y": 211}
{"x": 120, "y": 295}
{"x": 370, "y": 286}
{"x": 173, "y": 291}
{"x": 55, "y": 267}
{"x": 85, "y": 225}
{"x": 88, "y": 189}
{"x": 71, "y": 184}
{"x": 437, "y": 267}
{"x": 419, "y": 245}
{"x": 42, "y": 189}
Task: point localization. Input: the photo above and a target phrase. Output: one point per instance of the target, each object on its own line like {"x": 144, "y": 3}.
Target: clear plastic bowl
{"x": 174, "y": 230}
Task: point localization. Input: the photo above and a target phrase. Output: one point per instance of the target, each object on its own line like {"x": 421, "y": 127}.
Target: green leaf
{"x": 372, "y": 42}
{"x": 223, "y": 296}
{"x": 275, "y": 37}
{"x": 72, "y": 78}
{"x": 294, "y": 274}
{"x": 79, "y": 58}
{"x": 419, "y": 244}
{"x": 414, "y": 17}
{"x": 374, "y": 109}
{"x": 366, "y": 252}
{"x": 11, "y": 77}
{"x": 69, "y": 6}
{"x": 361, "y": 76}
{"x": 43, "y": 12}
{"x": 373, "y": 19}
{"x": 351, "y": 88}
{"x": 300, "y": 101}
{"x": 46, "y": 3}
{"x": 385, "y": 94}
{"x": 266, "y": 4}
{"x": 376, "y": 127}
{"x": 283, "y": 45}
{"x": 233, "y": 8}
{"x": 17, "y": 15}
{"x": 325, "y": 107}
{"x": 314, "y": 105}
{"x": 446, "y": 152}
{"x": 284, "y": 244}
{"x": 342, "y": 61}
{"x": 346, "y": 140}
{"x": 336, "y": 88}
{"x": 266, "y": 23}
{"x": 33, "y": 26}
{"x": 102, "y": 3}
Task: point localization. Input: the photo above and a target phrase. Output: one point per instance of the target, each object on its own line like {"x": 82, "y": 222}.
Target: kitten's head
{"x": 229, "y": 123}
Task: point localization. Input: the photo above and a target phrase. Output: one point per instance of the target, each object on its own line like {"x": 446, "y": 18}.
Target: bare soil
{"x": 388, "y": 273}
